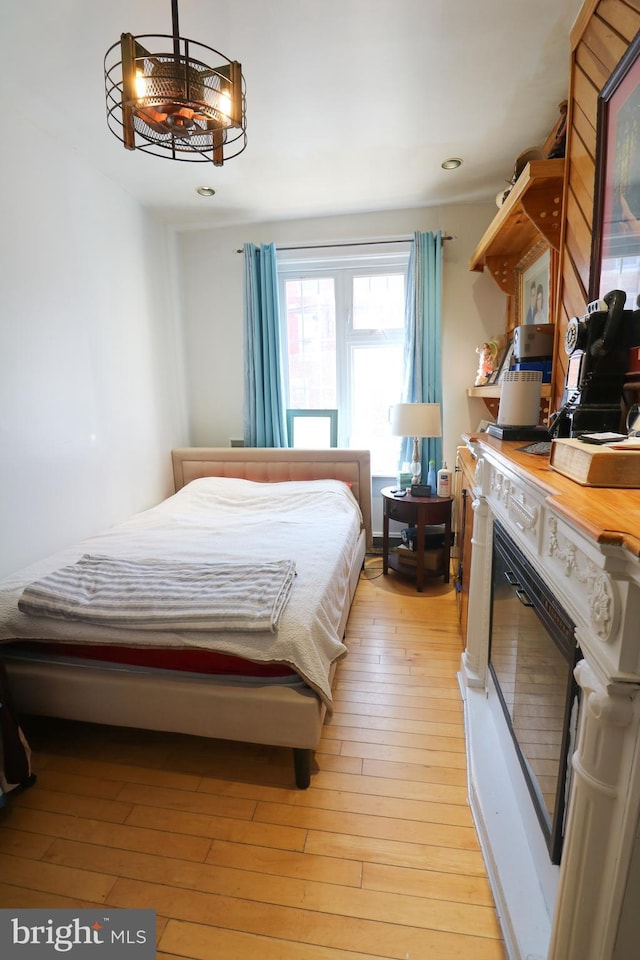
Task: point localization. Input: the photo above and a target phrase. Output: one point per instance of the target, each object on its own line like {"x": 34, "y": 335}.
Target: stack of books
{"x": 433, "y": 559}
{"x": 406, "y": 555}
{"x": 405, "y": 479}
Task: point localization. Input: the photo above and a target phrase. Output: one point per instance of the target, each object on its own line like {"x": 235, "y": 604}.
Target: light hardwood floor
{"x": 377, "y": 859}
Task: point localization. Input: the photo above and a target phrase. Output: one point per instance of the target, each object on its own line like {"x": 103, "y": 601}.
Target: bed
{"x": 52, "y": 673}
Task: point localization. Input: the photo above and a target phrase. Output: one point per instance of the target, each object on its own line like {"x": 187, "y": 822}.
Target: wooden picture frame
{"x": 493, "y": 376}
{"x": 615, "y": 249}
{"x": 483, "y": 426}
{"x": 502, "y": 365}
{"x": 533, "y": 286}
{"x": 505, "y": 363}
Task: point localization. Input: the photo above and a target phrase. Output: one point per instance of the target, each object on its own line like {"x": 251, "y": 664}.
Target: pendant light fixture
{"x": 171, "y": 103}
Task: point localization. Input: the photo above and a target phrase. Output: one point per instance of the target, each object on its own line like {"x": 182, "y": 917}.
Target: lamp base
{"x": 416, "y": 465}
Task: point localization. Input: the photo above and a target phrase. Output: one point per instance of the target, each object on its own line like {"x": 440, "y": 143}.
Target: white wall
{"x": 91, "y": 395}
{"x": 92, "y": 382}
{"x": 211, "y": 275}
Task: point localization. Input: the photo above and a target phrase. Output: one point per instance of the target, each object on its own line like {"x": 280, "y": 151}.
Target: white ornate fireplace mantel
{"x": 578, "y": 543}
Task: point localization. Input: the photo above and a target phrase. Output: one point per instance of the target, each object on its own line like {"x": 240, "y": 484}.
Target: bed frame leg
{"x": 302, "y": 766}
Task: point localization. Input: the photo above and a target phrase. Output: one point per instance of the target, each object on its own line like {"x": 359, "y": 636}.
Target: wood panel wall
{"x": 603, "y": 31}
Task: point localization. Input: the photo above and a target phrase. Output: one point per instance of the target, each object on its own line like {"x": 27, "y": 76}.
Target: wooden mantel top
{"x": 608, "y": 515}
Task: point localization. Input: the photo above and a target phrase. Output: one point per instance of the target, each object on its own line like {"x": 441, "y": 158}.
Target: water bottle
{"x": 431, "y": 477}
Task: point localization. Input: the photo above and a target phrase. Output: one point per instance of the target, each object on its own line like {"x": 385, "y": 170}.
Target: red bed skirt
{"x": 186, "y": 659}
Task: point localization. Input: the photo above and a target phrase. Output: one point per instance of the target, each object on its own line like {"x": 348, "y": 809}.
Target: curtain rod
{"x": 351, "y": 243}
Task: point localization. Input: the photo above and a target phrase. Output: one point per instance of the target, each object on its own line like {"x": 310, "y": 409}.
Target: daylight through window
{"x": 343, "y": 341}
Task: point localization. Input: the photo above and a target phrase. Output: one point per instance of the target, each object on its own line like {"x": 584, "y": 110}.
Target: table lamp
{"x": 416, "y": 420}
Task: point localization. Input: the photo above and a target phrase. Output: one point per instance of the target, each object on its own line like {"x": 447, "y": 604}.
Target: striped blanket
{"x": 157, "y": 594}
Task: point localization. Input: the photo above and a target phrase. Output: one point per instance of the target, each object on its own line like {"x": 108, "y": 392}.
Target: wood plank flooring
{"x": 377, "y": 859}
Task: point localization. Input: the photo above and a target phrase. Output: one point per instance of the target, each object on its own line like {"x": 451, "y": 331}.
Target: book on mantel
{"x": 592, "y": 465}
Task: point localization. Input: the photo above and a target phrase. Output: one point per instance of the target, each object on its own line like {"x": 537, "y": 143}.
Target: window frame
{"x": 359, "y": 261}
{"x": 331, "y": 416}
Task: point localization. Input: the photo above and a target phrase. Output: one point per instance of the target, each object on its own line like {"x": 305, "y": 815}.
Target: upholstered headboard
{"x": 271, "y": 464}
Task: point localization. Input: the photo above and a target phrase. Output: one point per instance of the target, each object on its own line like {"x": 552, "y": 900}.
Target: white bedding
{"x": 316, "y": 523}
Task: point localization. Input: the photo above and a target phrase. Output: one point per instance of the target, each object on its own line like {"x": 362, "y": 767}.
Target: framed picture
{"x": 483, "y": 425}
{"x": 533, "y": 287}
{"x": 615, "y": 250}
{"x": 503, "y": 364}
{"x": 493, "y": 376}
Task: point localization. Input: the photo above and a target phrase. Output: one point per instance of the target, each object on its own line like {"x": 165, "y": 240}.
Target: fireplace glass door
{"x": 532, "y": 655}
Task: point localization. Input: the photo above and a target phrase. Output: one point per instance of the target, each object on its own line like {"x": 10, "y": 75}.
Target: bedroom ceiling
{"x": 352, "y": 105}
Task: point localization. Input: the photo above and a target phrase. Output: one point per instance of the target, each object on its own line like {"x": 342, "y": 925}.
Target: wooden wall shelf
{"x": 492, "y": 392}
{"x": 532, "y": 210}
{"x": 491, "y": 397}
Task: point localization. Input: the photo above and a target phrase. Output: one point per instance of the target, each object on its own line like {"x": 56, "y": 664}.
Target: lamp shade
{"x": 416, "y": 420}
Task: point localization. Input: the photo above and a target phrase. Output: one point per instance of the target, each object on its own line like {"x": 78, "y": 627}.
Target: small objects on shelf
{"x": 531, "y": 153}
{"x": 404, "y": 479}
{"x": 487, "y": 356}
{"x": 559, "y": 144}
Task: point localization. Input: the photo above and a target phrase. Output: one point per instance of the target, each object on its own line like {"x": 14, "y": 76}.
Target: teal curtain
{"x": 264, "y": 407}
{"x": 423, "y": 343}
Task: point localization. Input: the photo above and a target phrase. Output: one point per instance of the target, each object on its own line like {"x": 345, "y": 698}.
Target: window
{"x": 343, "y": 341}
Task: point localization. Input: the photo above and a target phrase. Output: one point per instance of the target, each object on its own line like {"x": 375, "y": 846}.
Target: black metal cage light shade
{"x": 172, "y": 104}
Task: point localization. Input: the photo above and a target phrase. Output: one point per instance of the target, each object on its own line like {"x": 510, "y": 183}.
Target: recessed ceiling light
{"x": 451, "y": 164}
{"x": 205, "y": 191}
